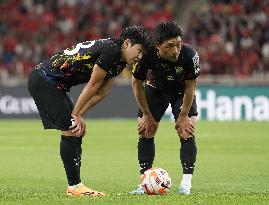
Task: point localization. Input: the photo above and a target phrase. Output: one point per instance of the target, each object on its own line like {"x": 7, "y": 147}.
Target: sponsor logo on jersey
{"x": 197, "y": 70}
{"x": 169, "y": 77}
{"x": 195, "y": 60}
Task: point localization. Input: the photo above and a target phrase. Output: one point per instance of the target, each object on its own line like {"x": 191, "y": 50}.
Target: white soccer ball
{"x": 156, "y": 181}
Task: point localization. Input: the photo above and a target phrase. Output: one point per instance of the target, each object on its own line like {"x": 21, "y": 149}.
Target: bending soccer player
{"x": 95, "y": 63}
{"x": 169, "y": 73}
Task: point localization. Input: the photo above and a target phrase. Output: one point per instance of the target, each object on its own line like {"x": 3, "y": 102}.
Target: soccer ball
{"x": 156, "y": 181}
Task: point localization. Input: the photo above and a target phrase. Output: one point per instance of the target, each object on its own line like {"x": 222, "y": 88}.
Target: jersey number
{"x": 87, "y": 44}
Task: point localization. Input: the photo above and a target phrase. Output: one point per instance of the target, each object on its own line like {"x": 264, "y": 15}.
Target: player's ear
{"x": 157, "y": 45}
{"x": 126, "y": 43}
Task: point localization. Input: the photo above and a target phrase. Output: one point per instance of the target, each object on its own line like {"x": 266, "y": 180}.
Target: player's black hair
{"x": 137, "y": 35}
{"x": 167, "y": 30}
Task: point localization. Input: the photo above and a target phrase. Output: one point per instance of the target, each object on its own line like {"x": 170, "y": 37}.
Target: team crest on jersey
{"x": 164, "y": 65}
{"x": 179, "y": 70}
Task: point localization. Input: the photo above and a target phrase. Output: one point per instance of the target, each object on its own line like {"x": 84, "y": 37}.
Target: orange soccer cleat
{"x": 81, "y": 190}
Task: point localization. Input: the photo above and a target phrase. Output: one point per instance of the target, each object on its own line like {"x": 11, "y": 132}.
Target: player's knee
{"x": 68, "y": 133}
{"x": 193, "y": 119}
{"x": 141, "y": 133}
{"x": 154, "y": 130}
{"x": 69, "y": 140}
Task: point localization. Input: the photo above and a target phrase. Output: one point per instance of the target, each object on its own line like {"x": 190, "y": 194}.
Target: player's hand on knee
{"x": 82, "y": 129}
{"x": 183, "y": 134}
{"x": 78, "y": 126}
{"x": 149, "y": 126}
{"x": 141, "y": 128}
{"x": 84, "y": 133}
{"x": 184, "y": 127}
{"x": 150, "y": 132}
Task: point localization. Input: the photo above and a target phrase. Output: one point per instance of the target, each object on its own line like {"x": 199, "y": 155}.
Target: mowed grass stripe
{"x": 232, "y": 163}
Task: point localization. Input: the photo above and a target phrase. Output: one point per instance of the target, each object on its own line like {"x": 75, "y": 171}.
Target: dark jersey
{"x": 74, "y": 65}
{"x": 166, "y": 75}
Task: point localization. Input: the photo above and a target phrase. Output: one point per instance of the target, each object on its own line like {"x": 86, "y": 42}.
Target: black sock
{"x": 70, "y": 151}
{"x": 146, "y": 153}
{"x": 188, "y": 152}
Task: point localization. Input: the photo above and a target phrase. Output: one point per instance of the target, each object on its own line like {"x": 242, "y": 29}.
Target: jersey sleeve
{"x": 108, "y": 58}
{"x": 192, "y": 65}
{"x": 140, "y": 69}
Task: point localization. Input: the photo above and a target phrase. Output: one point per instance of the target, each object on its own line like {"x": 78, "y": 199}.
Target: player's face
{"x": 170, "y": 49}
{"x": 132, "y": 53}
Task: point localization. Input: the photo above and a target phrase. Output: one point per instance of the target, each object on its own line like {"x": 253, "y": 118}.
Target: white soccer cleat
{"x": 138, "y": 191}
{"x": 184, "y": 190}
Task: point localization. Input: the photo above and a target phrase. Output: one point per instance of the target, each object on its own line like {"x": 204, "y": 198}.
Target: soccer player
{"x": 95, "y": 63}
{"x": 169, "y": 73}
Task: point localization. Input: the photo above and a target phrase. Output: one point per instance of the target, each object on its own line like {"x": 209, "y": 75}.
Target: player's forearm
{"x": 188, "y": 97}
{"x": 99, "y": 96}
{"x": 88, "y": 92}
{"x": 140, "y": 96}
{"x": 187, "y": 100}
{"x": 91, "y": 88}
{"x": 91, "y": 103}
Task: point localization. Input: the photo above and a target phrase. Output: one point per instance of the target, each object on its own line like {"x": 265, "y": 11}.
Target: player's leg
{"x": 146, "y": 150}
{"x": 158, "y": 104}
{"x": 70, "y": 146}
{"x": 146, "y": 154}
{"x": 55, "y": 109}
{"x": 71, "y": 151}
{"x": 188, "y": 150}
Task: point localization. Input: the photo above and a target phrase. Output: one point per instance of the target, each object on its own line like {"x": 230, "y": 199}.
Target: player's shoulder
{"x": 150, "y": 56}
{"x": 188, "y": 50}
{"x": 108, "y": 45}
{"x": 190, "y": 55}
{"x": 107, "y": 41}
{"x": 191, "y": 59}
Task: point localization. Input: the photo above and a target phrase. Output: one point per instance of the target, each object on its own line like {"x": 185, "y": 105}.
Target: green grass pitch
{"x": 232, "y": 165}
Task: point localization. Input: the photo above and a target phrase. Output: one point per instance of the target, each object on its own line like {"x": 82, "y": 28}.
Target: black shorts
{"x": 54, "y": 105}
{"x": 159, "y": 101}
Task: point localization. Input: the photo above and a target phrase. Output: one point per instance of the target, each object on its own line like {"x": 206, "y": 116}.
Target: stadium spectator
{"x": 231, "y": 36}
{"x": 31, "y": 30}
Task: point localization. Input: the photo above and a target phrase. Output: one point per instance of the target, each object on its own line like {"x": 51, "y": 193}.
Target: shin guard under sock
{"x": 188, "y": 152}
{"x": 146, "y": 153}
{"x": 70, "y": 151}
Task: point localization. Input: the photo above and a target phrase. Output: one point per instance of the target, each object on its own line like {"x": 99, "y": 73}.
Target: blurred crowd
{"x": 232, "y": 37}
{"x": 31, "y": 30}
